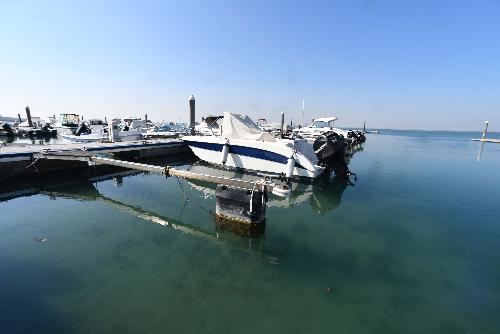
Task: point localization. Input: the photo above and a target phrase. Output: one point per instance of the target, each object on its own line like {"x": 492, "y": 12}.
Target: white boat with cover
{"x": 244, "y": 145}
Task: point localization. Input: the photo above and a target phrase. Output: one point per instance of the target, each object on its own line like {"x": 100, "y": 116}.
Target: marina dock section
{"x": 23, "y": 160}
{"x": 483, "y": 138}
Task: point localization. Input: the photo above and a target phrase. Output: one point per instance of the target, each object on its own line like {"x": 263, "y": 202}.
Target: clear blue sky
{"x": 398, "y": 64}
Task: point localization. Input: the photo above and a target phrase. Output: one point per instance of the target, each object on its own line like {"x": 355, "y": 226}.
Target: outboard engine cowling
{"x": 327, "y": 146}
{"x": 330, "y": 150}
{"x": 82, "y": 129}
{"x": 8, "y": 129}
{"x": 361, "y": 136}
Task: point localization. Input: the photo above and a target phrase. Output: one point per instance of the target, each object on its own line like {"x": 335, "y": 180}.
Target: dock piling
{"x": 483, "y": 138}
{"x": 28, "y": 114}
{"x": 485, "y": 130}
{"x": 191, "y": 114}
{"x": 241, "y": 211}
{"x": 282, "y": 127}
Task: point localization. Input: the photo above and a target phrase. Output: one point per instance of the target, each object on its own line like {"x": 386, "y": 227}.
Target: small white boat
{"x": 324, "y": 125}
{"x": 271, "y": 127}
{"x": 244, "y": 145}
{"x": 86, "y": 138}
{"x": 209, "y": 126}
{"x": 67, "y": 123}
{"x": 130, "y": 129}
{"x": 92, "y": 131}
{"x": 170, "y": 130}
{"x": 319, "y": 127}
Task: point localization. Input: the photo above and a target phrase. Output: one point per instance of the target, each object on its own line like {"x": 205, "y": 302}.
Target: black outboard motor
{"x": 330, "y": 150}
{"x": 357, "y": 137}
{"x": 8, "y": 129}
{"x": 361, "y": 136}
{"x": 47, "y": 131}
{"x": 82, "y": 129}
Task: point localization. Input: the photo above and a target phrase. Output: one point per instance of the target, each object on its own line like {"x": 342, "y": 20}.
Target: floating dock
{"x": 487, "y": 140}
{"x": 22, "y": 160}
{"x": 483, "y": 138}
{"x": 25, "y": 160}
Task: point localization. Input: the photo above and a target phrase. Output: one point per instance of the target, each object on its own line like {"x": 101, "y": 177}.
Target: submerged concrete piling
{"x": 191, "y": 114}
{"x": 241, "y": 211}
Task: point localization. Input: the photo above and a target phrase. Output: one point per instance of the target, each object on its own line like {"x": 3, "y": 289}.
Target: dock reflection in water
{"x": 323, "y": 196}
{"x": 87, "y": 190}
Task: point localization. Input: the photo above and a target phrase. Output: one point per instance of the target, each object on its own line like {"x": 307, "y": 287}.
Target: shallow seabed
{"x": 411, "y": 247}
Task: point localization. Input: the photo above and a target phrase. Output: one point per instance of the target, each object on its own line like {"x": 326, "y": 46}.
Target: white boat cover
{"x": 242, "y": 127}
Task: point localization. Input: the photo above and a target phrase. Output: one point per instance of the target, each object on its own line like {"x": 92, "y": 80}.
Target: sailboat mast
{"x": 303, "y": 107}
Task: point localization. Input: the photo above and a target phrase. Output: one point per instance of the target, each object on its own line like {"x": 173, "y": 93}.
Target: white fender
{"x": 290, "y": 165}
{"x": 225, "y": 152}
{"x": 281, "y": 191}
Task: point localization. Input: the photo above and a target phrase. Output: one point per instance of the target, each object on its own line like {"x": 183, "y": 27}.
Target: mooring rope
{"x": 188, "y": 200}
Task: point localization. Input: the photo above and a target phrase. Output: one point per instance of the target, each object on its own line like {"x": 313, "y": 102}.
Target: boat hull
{"x": 250, "y": 155}
{"x": 84, "y": 138}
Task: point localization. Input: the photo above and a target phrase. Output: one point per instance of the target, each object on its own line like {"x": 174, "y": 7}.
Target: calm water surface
{"x": 411, "y": 247}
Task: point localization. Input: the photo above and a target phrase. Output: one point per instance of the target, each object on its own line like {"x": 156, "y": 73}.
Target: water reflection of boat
{"x": 324, "y": 194}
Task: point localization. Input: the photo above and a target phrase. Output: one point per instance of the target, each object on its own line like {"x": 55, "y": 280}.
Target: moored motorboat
{"x": 209, "y": 126}
{"x": 244, "y": 145}
{"x": 92, "y": 131}
{"x": 37, "y": 129}
{"x": 6, "y": 130}
{"x": 323, "y": 125}
{"x": 66, "y": 124}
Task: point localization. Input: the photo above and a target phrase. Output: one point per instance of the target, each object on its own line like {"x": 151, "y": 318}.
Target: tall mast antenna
{"x": 303, "y": 107}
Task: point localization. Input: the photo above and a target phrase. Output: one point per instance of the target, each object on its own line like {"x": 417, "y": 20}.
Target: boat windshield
{"x": 320, "y": 124}
{"x": 69, "y": 119}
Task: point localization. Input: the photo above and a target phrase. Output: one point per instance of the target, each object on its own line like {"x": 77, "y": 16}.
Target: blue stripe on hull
{"x": 243, "y": 150}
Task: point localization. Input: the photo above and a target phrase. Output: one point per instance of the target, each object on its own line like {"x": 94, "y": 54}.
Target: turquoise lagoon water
{"x": 412, "y": 246}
